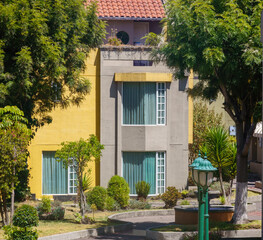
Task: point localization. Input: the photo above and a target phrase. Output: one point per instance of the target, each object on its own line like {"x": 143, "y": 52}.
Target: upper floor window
{"x": 144, "y": 103}
{"x": 144, "y": 63}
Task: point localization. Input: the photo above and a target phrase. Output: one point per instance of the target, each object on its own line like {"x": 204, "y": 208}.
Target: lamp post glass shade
{"x": 203, "y": 173}
{"x": 195, "y": 164}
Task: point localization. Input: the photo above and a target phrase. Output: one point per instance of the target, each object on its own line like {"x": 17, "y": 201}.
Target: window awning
{"x": 258, "y": 130}
{"x": 143, "y": 77}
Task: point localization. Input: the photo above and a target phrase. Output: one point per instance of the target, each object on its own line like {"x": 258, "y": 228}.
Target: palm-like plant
{"x": 219, "y": 150}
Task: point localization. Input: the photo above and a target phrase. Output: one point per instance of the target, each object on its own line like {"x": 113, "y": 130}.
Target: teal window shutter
{"x": 139, "y": 103}
{"x": 140, "y": 166}
{"x": 54, "y": 175}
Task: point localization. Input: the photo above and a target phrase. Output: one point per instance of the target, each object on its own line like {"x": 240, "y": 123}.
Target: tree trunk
{"x": 12, "y": 199}
{"x": 240, "y": 214}
{"x": 82, "y": 199}
{"x": 221, "y": 183}
{"x": 1, "y": 210}
{"x": 6, "y": 217}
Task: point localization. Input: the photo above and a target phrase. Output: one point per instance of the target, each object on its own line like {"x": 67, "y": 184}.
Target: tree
{"x": 79, "y": 154}
{"x": 220, "y": 41}
{"x": 14, "y": 140}
{"x": 220, "y": 151}
{"x": 203, "y": 119}
{"x": 43, "y": 48}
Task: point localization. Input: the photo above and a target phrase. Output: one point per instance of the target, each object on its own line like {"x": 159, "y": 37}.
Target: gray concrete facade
{"x": 171, "y": 138}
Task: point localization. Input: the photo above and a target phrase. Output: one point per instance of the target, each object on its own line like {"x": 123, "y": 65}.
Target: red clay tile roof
{"x": 130, "y": 8}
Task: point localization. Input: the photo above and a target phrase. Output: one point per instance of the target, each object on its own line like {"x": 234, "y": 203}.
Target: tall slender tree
{"x": 220, "y": 41}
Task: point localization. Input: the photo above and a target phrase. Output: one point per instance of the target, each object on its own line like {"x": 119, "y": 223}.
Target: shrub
{"x": 142, "y": 189}
{"x": 45, "y": 204}
{"x": 16, "y": 233}
{"x": 97, "y": 196}
{"x": 185, "y": 202}
{"x": 25, "y": 217}
{"x": 170, "y": 197}
{"x": 135, "y": 204}
{"x": 184, "y": 193}
{"x": 111, "y": 204}
{"x": 222, "y": 200}
{"x": 119, "y": 189}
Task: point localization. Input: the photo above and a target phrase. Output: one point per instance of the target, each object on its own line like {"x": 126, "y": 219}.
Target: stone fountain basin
{"x": 188, "y": 215}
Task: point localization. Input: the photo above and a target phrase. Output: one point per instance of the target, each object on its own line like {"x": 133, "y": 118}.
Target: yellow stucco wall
{"x": 68, "y": 125}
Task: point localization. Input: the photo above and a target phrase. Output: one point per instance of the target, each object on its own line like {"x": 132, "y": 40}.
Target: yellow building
{"x": 69, "y": 124}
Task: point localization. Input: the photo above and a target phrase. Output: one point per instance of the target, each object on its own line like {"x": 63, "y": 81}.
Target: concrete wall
{"x": 171, "y": 138}
{"x": 68, "y": 125}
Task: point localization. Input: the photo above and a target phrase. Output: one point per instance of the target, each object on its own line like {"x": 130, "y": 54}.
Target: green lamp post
{"x": 195, "y": 164}
{"x": 203, "y": 176}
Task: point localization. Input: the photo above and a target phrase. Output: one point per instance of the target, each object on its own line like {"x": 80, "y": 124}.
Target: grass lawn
{"x": 69, "y": 224}
{"x": 213, "y": 227}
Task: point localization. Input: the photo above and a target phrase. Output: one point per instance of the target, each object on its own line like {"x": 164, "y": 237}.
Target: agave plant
{"x": 220, "y": 151}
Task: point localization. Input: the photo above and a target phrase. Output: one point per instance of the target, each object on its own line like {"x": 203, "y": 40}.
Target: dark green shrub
{"x": 56, "y": 213}
{"x": 170, "y": 197}
{"x": 111, "y": 204}
{"x": 17, "y": 233}
{"x": 97, "y": 196}
{"x": 142, "y": 189}
{"x": 25, "y": 216}
{"x": 135, "y": 204}
{"x": 45, "y": 205}
{"x": 119, "y": 189}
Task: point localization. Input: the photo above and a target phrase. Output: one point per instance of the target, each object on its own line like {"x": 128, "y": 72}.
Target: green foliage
{"x": 43, "y": 47}
{"x": 25, "y": 216}
{"x": 14, "y": 140}
{"x": 220, "y": 151}
{"x": 203, "y": 119}
{"x": 45, "y": 204}
{"x": 111, "y": 204}
{"x": 87, "y": 180}
{"x": 119, "y": 189}
{"x": 97, "y": 196}
{"x": 222, "y": 200}
{"x": 184, "y": 193}
{"x": 135, "y": 204}
{"x": 50, "y": 211}
{"x": 185, "y": 202}
{"x": 16, "y": 233}
{"x": 220, "y": 41}
{"x": 142, "y": 189}
{"x": 152, "y": 39}
{"x": 22, "y": 190}
{"x": 79, "y": 154}
{"x": 170, "y": 197}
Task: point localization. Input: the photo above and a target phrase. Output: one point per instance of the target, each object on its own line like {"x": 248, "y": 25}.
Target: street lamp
{"x": 203, "y": 175}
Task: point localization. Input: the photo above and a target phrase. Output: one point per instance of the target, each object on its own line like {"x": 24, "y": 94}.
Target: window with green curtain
{"x": 140, "y": 166}
{"x": 54, "y": 175}
{"x": 139, "y": 103}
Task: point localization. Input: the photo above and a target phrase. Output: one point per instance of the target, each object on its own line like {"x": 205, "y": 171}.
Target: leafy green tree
{"x": 79, "y": 154}
{"x": 14, "y": 140}
{"x": 203, "y": 119}
{"x": 220, "y": 151}
{"x": 43, "y": 48}
{"x": 220, "y": 41}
